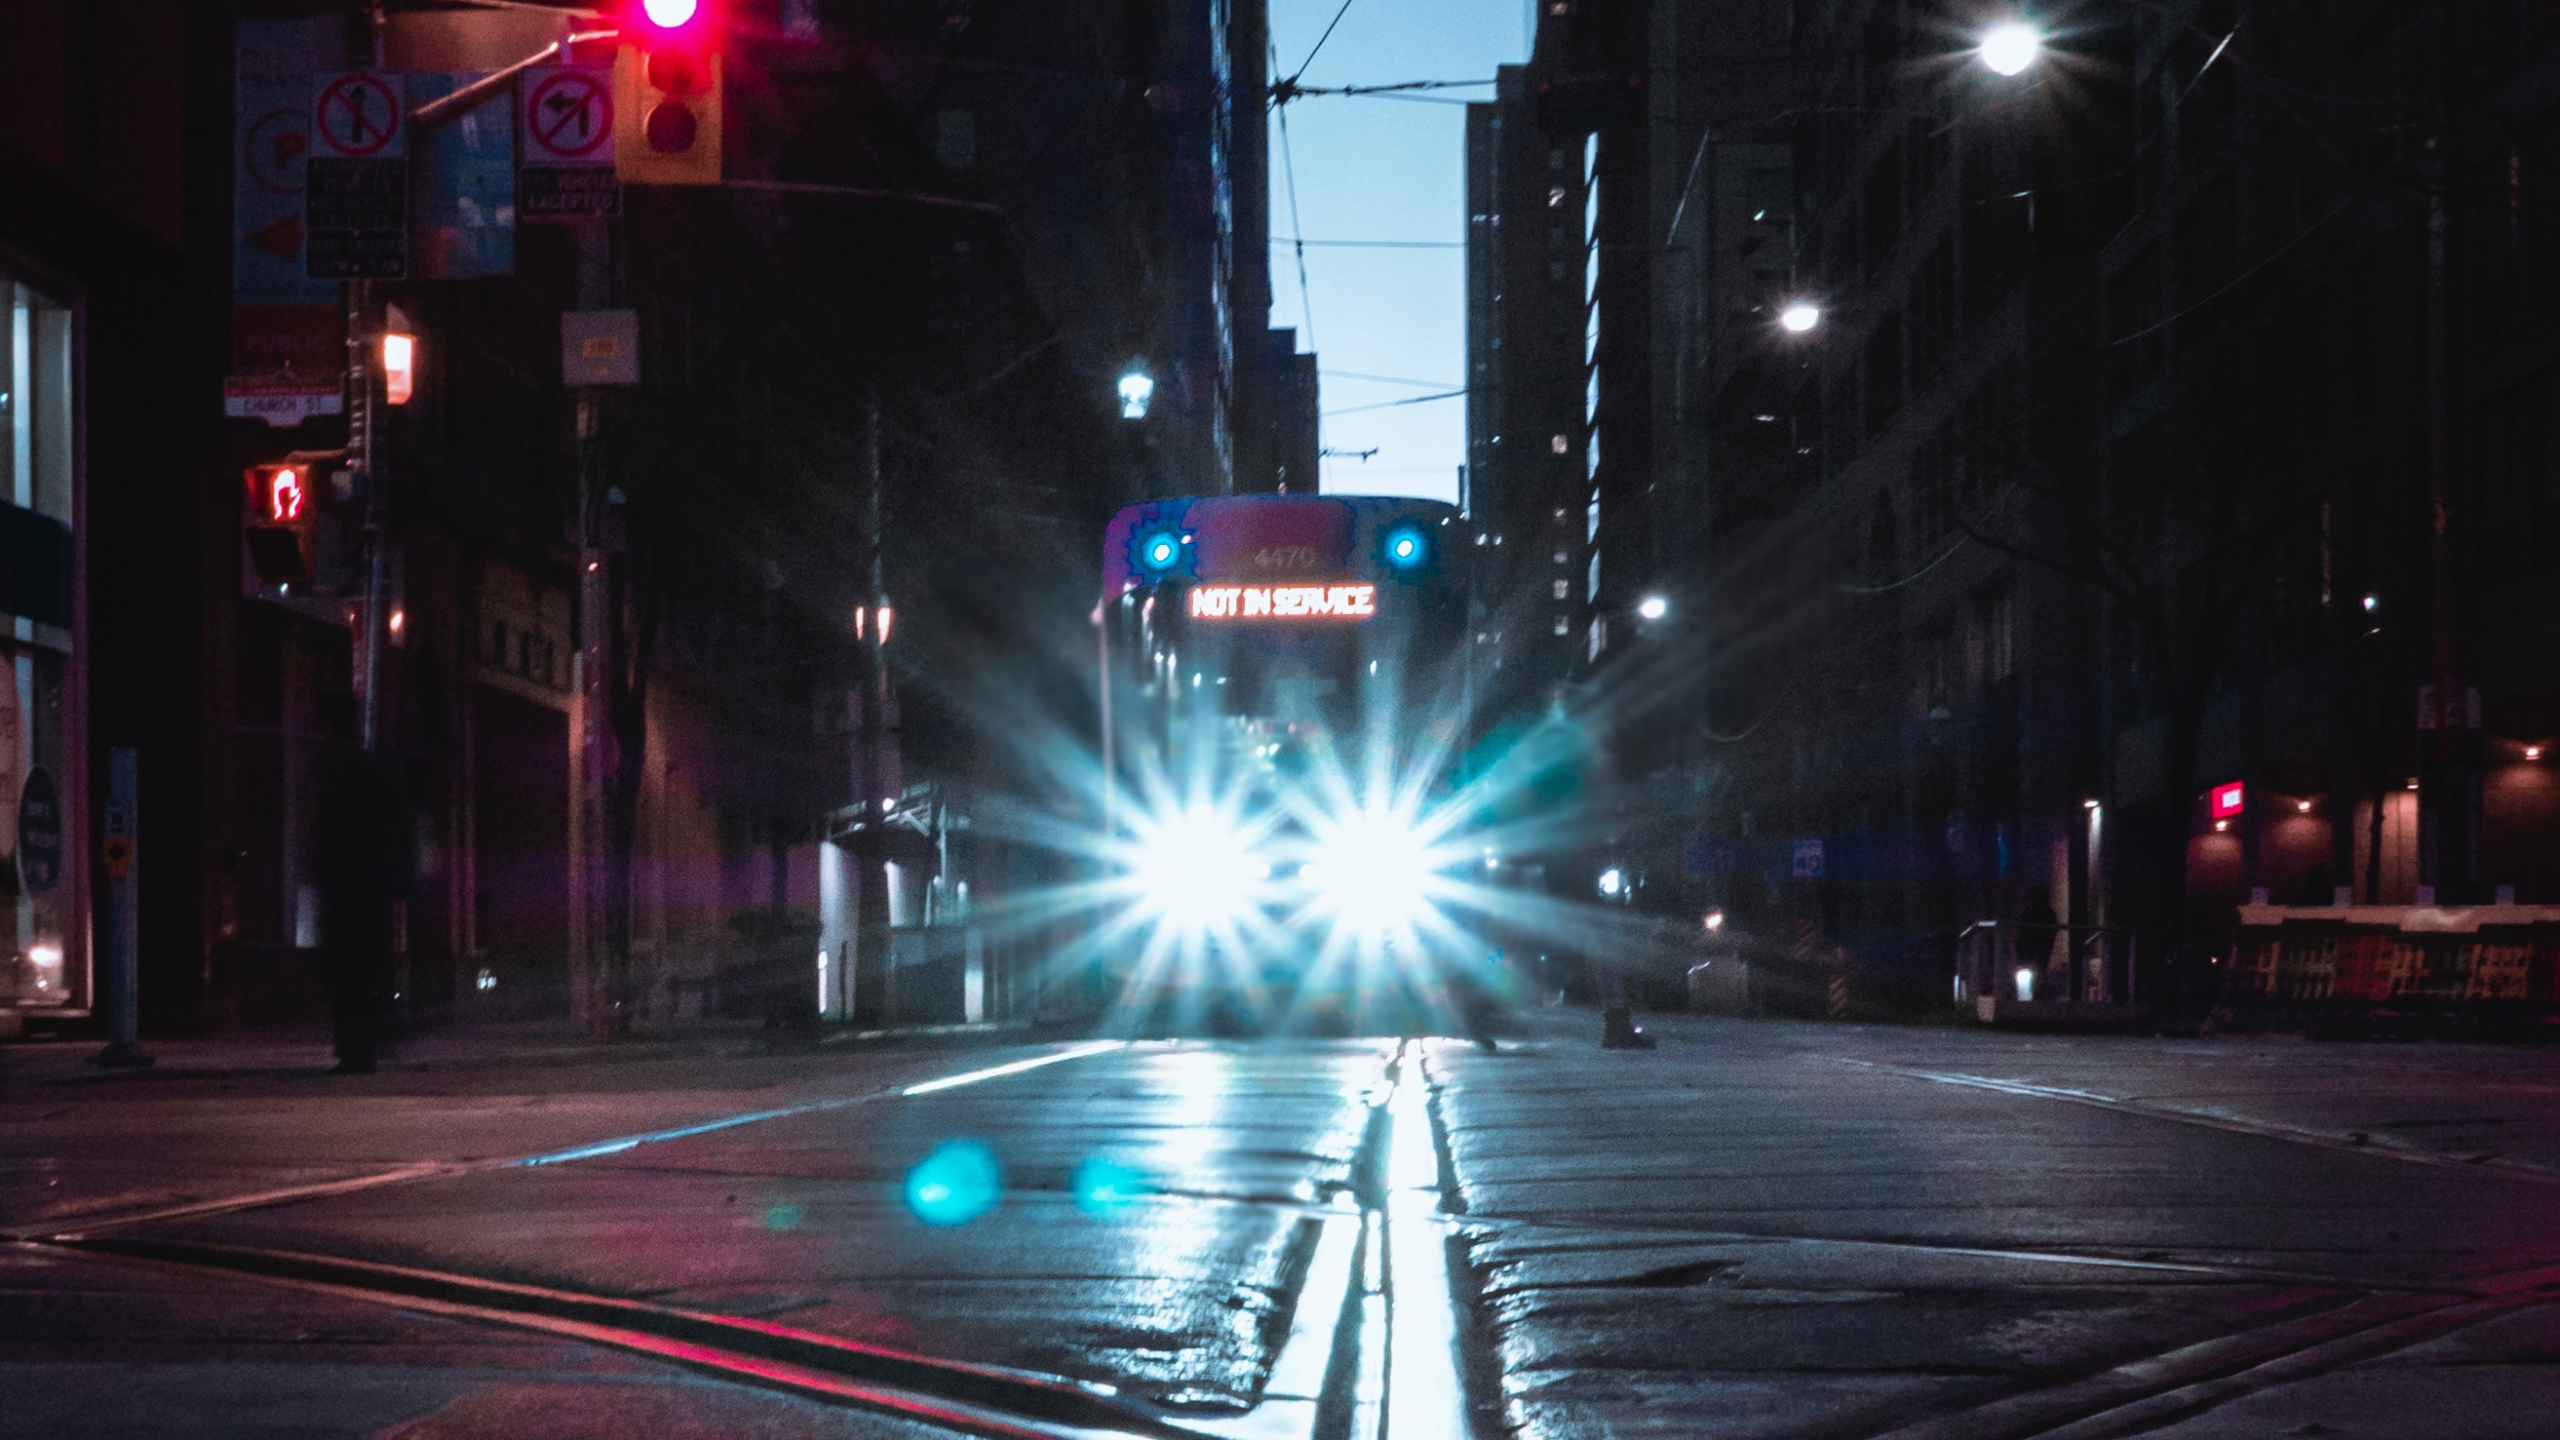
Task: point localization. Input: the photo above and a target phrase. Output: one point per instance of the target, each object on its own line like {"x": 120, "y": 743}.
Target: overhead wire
{"x": 1292, "y": 81}
{"x": 1289, "y": 170}
{"x": 1408, "y": 400}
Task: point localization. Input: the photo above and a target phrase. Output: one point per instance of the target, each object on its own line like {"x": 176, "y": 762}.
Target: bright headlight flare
{"x": 1197, "y": 868}
{"x": 1373, "y": 868}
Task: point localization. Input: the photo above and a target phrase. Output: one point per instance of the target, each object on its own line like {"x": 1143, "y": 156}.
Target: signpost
{"x": 564, "y": 125}
{"x": 124, "y": 915}
{"x": 355, "y": 203}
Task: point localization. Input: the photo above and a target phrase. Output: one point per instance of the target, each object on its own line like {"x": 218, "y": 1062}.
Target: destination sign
{"x": 1283, "y": 602}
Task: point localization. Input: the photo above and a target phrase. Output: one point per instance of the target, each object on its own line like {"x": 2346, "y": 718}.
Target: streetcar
{"x": 1285, "y": 686}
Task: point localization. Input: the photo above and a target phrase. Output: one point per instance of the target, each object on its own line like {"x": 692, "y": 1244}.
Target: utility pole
{"x": 595, "y": 651}
{"x": 868, "y": 985}
{"x": 2449, "y": 793}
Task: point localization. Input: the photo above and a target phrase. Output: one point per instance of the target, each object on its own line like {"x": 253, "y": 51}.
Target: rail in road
{"x": 1370, "y": 1355}
{"x": 2326, "y": 1321}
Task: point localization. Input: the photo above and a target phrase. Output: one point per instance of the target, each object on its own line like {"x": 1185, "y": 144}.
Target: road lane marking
{"x": 1426, "y": 1394}
{"x": 995, "y": 1072}
{"x": 629, "y": 1142}
{"x": 431, "y": 1170}
{"x": 2180, "y": 1115}
{"x": 279, "y": 1196}
{"x": 949, "y": 1082}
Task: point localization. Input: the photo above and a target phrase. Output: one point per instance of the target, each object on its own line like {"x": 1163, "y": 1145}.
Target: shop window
{"x": 41, "y": 964}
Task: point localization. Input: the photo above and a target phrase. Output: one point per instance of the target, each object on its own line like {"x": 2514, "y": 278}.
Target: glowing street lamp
{"x": 1653, "y": 607}
{"x": 1800, "y": 316}
{"x": 2011, "y": 46}
{"x": 1137, "y": 388}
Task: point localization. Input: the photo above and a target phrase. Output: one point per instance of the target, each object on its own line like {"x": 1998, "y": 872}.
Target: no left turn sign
{"x": 357, "y": 116}
{"x": 568, "y": 117}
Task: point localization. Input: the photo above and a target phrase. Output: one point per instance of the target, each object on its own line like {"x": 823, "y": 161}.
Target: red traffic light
{"x": 670, "y": 14}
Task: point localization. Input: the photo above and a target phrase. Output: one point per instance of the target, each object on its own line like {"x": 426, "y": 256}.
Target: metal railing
{"x": 2080, "y": 964}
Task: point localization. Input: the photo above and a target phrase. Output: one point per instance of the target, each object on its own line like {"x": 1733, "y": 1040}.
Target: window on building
{"x": 1999, "y": 630}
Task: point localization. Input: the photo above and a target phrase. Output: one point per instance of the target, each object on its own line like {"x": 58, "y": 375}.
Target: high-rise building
{"x": 1528, "y": 431}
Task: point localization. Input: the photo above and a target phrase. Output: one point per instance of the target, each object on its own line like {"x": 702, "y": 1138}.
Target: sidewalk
{"x": 1778, "y": 1228}
{"x": 306, "y": 1049}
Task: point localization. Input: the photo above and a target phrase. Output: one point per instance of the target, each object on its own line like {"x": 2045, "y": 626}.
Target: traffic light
{"x": 282, "y": 512}
{"x": 666, "y": 95}
{"x": 399, "y": 367}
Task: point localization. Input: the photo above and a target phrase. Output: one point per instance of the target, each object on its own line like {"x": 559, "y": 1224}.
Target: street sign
{"x": 355, "y": 196}
{"x": 600, "y": 347}
{"x": 463, "y": 184}
{"x": 283, "y": 322}
{"x": 568, "y": 115}
{"x": 39, "y": 834}
{"x": 281, "y": 403}
{"x": 564, "y": 127}
{"x": 1807, "y": 855}
{"x": 357, "y": 215}
{"x": 359, "y": 115}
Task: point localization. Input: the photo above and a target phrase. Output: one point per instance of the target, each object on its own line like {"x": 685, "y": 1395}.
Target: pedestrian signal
{"x": 281, "y": 517}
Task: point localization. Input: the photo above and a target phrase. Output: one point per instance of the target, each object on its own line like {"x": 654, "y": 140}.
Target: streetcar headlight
{"x": 1198, "y": 868}
{"x": 1372, "y": 868}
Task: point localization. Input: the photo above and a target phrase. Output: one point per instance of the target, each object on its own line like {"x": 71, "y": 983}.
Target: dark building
{"x": 2104, "y": 481}
{"x": 1528, "y": 433}
{"x": 640, "y": 668}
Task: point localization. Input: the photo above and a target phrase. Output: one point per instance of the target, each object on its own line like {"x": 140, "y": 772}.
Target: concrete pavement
{"x": 1764, "y": 1228}
{"x": 1770, "y": 1228}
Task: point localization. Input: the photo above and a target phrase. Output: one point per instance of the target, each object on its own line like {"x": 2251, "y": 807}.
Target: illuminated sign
{"x": 1283, "y": 602}
{"x": 2226, "y": 800}
{"x": 277, "y": 491}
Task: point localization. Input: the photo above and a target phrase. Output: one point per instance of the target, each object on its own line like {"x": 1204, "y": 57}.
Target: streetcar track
{"x": 1321, "y": 1357}
{"x": 2362, "y": 1321}
{"x": 995, "y": 1401}
{"x": 2144, "y": 1394}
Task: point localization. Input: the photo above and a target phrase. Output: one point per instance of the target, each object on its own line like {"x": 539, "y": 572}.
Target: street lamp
{"x": 2010, "y": 47}
{"x": 1800, "y": 316}
{"x": 1137, "y": 388}
{"x": 1653, "y": 607}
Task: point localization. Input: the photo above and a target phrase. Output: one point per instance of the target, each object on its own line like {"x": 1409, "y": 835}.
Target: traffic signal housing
{"x": 667, "y": 95}
{"x": 283, "y": 509}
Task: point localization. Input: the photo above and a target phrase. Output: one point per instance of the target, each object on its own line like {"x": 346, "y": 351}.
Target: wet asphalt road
{"x": 1761, "y": 1229}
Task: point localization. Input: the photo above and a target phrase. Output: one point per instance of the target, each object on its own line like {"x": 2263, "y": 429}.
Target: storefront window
{"x": 40, "y": 964}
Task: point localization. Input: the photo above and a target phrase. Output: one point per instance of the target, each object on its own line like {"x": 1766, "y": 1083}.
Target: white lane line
{"x": 1426, "y": 1398}
{"x": 948, "y": 1082}
{"x": 75, "y": 1230}
{"x": 994, "y": 1072}
{"x": 2180, "y": 1115}
{"x": 432, "y": 1169}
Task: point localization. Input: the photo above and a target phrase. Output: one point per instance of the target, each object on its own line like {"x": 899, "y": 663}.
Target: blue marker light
{"x": 955, "y": 1184}
{"x": 1161, "y": 551}
{"x": 1405, "y": 548}
{"x": 1104, "y": 1187}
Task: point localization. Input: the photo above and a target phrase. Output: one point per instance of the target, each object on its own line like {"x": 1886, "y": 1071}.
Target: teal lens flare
{"x": 1105, "y": 1187}
{"x": 955, "y": 1184}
